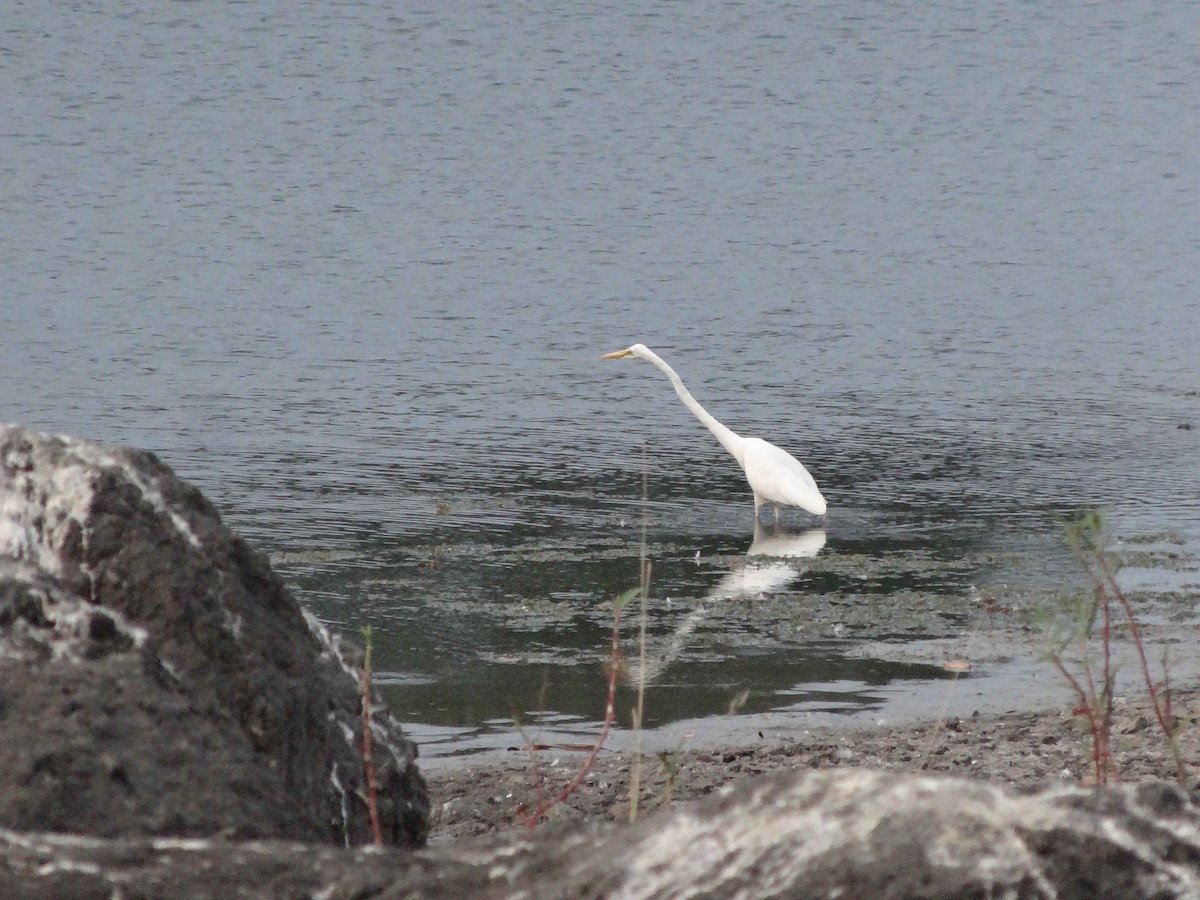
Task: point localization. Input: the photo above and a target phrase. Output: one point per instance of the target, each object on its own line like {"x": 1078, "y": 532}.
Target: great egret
{"x": 775, "y": 475}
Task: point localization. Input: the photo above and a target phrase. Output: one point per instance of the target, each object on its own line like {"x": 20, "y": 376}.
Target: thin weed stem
{"x": 1102, "y": 760}
{"x": 1105, "y": 582}
{"x": 368, "y": 758}
{"x": 1086, "y": 537}
{"x": 635, "y": 775}
{"x": 543, "y": 804}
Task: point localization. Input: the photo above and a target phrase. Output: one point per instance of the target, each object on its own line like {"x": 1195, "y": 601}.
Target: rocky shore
{"x": 1024, "y": 751}
{"x": 173, "y": 724}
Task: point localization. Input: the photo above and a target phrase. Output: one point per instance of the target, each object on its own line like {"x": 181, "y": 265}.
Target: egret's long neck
{"x": 729, "y": 439}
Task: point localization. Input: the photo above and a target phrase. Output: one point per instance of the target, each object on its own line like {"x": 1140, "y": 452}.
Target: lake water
{"x": 351, "y": 267}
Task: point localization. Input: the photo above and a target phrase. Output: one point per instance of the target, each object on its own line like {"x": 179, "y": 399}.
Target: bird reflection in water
{"x": 774, "y": 561}
{"x": 770, "y": 564}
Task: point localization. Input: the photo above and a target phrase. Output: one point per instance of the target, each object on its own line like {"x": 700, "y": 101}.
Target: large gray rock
{"x": 834, "y": 833}
{"x": 866, "y": 833}
{"x": 156, "y": 678}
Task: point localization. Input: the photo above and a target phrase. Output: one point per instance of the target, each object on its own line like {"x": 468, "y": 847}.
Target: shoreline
{"x": 1019, "y": 749}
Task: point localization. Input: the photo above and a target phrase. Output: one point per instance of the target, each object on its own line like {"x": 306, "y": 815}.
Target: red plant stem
{"x": 610, "y": 708}
{"x": 1161, "y": 712}
{"x": 1106, "y": 698}
{"x": 1101, "y": 754}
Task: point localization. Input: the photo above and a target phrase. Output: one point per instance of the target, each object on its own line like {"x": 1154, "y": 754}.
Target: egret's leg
{"x": 758, "y": 503}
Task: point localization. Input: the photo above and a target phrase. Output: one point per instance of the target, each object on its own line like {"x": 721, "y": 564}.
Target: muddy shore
{"x": 1020, "y": 749}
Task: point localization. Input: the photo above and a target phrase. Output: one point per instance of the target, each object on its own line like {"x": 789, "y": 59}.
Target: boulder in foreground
{"x": 157, "y": 678}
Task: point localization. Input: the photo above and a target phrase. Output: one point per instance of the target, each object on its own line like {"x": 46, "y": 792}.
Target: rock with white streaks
{"x": 867, "y": 833}
{"x": 156, "y": 678}
{"x": 833, "y": 833}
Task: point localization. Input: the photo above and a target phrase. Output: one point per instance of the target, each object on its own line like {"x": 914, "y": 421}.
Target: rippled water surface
{"x": 351, "y": 267}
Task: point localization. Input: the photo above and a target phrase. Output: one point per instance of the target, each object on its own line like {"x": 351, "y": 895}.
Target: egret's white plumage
{"x": 775, "y": 475}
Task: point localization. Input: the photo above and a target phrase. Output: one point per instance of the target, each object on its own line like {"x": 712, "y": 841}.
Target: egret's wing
{"x": 777, "y": 476}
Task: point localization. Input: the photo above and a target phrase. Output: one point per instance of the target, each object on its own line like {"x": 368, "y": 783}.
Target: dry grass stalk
{"x": 368, "y": 759}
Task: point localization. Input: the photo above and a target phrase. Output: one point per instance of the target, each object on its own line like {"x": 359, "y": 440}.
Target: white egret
{"x": 775, "y": 475}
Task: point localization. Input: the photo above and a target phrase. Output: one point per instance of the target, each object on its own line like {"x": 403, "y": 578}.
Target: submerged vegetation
{"x": 1088, "y": 632}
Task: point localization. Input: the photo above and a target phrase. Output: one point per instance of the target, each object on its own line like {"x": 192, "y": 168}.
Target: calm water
{"x": 350, "y": 268}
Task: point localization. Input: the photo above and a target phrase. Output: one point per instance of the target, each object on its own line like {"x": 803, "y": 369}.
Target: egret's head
{"x": 637, "y": 351}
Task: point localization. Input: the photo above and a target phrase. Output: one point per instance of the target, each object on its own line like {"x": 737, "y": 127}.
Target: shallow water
{"x": 351, "y": 268}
